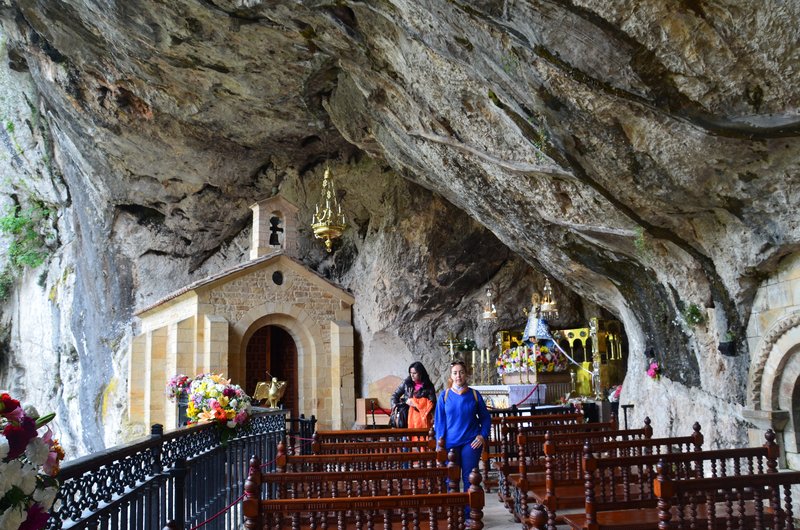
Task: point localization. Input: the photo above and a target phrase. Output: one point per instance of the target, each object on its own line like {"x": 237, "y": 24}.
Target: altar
{"x": 503, "y": 396}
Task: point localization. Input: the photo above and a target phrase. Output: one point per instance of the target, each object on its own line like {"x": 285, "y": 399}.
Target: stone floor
{"x": 497, "y": 517}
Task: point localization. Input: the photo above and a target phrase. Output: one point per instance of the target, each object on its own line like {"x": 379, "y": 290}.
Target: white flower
{"x": 12, "y": 518}
{"x": 3, "y": 450}
{"x": 37, "y": 451}
{"x": 31, "y": 411}
{"x": 10, "y": 476}
{"x": 6, "y": 474}
{"x": 45, "y": 496}
{"x": 27, "y": 479}
{"x": 231, "y": 424}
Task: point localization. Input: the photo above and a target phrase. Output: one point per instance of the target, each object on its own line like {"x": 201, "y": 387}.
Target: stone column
{"x": 259, "y": 235}
{"x": 155, "y": 377}
{"x": 137, "y": 382}
{"x": 215, "y": 346}
{"x": 343, "y": 398}
{"x": 179, "y": 359}
{"x": 767, "y": 419}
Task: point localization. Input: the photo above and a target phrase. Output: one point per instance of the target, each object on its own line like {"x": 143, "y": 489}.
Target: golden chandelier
{"x": 328, "y": 220}
{"x": 549, "y": 308}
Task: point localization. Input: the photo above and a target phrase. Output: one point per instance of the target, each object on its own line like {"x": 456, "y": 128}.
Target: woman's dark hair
{"x": 423, "y": 374}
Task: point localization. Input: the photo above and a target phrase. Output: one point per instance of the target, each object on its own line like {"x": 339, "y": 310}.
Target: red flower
{"x": 219, "y": 414}
{"x": 37, "y": 518}
{"x": 7, "y": 404}
{"x": 18, "y": 436}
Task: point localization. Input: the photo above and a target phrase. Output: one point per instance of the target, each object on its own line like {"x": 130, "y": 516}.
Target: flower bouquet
{"x": 177, "y": 386}
{"x": 213, "y": 398}
{"x": 548, "y": 360}
{"x": 654, "y": 370}
{"x": 29, "y": 464}
{"x": 524, "y": 359}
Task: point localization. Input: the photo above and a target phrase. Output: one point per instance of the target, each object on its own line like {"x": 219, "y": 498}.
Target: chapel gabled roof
{"x": 242, "y": 268}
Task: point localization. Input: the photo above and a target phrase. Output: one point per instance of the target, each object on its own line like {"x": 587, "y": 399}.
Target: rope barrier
{"x": 270, "y": 462}
{"x": 535, "y": 387}
{"x": 231, "y": 505}
{"x": 228, "y": 507}
{"x": 576, "y": 363}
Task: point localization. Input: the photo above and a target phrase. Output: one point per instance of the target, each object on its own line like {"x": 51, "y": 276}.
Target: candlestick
{"x": 473, "y": 357}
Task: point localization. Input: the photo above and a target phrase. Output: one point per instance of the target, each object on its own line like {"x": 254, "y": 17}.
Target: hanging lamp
{"x": 328, "y": 221}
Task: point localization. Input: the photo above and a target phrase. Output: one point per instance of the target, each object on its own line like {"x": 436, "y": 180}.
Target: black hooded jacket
{"x": 406, "y": 391}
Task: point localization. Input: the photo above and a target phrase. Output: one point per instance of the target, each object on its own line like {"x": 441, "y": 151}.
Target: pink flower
{"x": 654, "y": 371}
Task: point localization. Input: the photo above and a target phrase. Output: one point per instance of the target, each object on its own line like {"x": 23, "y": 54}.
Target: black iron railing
{"x": 300, "y": 433}
{"x": 187, "y": 475}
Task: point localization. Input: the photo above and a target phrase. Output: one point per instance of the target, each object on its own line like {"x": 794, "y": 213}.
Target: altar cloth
{"x": 503, "y": 396}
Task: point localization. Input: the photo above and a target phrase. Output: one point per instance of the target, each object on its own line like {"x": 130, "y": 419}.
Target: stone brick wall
{"x": 773, "y": 335}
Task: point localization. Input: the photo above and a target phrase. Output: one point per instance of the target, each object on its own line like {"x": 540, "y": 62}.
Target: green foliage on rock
{"x": 694, "y": 316}
{"x": 28, "y": 247}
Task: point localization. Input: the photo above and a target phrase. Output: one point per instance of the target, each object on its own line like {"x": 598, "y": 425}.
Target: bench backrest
{"x": 371, "y": 483}
{"x": 741, "y": 501}
{"x": 388, "y": 511}
{"x": 530, "y": 447}
{"x": 621, "y": 483}
{"x": 380, "y": 446}
{"x": 370, "y": 435}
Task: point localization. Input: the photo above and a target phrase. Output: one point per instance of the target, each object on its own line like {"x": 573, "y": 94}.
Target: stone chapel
{"x": 271, "y": 314}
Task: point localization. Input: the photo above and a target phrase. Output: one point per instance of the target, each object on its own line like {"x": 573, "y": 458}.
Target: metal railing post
{"x": 156, "y": 431}
{"x": 179, "y": 476}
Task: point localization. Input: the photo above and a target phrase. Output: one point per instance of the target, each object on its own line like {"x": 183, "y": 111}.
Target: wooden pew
{"x": 509, "y": 427}
{"x": 371, "y": 441}
{"x": 370, "y": 435}
{"x": 388, "y": 498}
{"x": 632, "y": 503}
{"x": 363, "y": 461}
{"x": 530, "y": 452}
{"x": 743, "y": 501}
{"x": 626, "y": 464}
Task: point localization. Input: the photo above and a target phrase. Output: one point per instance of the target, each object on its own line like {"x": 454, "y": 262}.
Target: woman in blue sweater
{"x": 462, "y": 420}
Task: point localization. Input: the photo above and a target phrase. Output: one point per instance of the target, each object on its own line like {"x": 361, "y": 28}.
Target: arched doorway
{"x": 272, "y": 349}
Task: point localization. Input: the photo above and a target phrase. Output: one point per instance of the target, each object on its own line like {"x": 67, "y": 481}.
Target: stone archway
{"x": 774, "y": 386}
{"x": 305, "y": 339}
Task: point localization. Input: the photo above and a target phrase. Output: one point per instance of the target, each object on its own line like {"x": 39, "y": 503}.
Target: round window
{"x": 277, "y": 278}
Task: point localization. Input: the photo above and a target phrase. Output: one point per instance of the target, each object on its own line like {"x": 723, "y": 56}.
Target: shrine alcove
{"x": 272, "y": 349}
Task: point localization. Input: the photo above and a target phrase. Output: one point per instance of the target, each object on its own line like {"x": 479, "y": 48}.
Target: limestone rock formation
{"x": 644, "y": 154}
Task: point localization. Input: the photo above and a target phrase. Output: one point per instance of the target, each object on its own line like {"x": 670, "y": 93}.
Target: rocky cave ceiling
{"x": 643, "y": 153}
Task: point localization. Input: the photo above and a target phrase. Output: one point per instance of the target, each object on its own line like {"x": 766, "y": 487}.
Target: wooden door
{"x": 271, "y": 349}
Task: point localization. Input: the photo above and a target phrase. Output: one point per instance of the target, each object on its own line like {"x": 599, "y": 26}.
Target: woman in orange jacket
{"x": 416, "y": 393}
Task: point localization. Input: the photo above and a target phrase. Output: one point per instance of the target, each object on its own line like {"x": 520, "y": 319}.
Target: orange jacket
{"x": 421, "y": 413}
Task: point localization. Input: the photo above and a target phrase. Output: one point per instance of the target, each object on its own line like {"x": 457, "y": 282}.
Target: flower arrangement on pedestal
{"x": 540, "y": 359}
{"x": 212, "y": 398}
{"x": 29, "y": 463}
{"x": 178, "y": 386}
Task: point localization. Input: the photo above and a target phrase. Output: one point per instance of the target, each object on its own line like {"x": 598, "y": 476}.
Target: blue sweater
{"x": 460, "y": 418}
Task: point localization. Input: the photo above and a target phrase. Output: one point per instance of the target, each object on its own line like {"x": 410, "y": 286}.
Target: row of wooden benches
{"x": 607, "y": 477}
{"x": 626, "y": 479}
{"x": 393, "y": 478}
